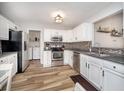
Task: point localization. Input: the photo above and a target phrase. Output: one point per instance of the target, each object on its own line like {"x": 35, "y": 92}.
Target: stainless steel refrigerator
{"x": 16, "y": 44}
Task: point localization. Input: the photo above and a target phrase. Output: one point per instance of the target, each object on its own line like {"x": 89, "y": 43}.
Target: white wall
{"x": 105, "y": 39}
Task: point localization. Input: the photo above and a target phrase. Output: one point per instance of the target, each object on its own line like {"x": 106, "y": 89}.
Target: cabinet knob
{"x": 114, "y": 67}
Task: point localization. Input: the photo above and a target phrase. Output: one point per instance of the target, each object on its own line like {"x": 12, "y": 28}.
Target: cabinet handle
{"x": 103, "y": 73}
{"x": 86, "y": 65}
{"x": 114, "y": 67}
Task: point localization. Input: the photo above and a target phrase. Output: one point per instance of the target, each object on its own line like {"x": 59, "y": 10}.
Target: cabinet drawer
{"x": 113, "y": 66}
{"x": 95, "y": 60}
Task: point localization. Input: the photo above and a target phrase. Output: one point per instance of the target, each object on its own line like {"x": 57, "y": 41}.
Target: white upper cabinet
{"x": 83, "y": 32}
{"x": 68, "y": 36}
{"x": 48, "y": 33}
{"x": 4, "y": 29}
{"x": 5, "y": 25}
{"x": 47, "y": 36}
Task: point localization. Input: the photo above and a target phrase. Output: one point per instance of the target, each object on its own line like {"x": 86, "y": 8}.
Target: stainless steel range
{"x": 57, "y": 54}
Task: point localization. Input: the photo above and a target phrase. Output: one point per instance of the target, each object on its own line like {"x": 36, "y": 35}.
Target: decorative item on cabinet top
{"x": 104, "y": 30}
{"x": 114, "y": 32}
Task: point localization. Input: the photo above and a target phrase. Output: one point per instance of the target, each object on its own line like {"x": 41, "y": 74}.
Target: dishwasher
{"x": 76, "y": 61}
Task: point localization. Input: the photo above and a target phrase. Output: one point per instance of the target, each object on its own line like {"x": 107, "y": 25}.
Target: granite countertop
{"x": 4, "y": 54}
{"x": 113, "y": 58}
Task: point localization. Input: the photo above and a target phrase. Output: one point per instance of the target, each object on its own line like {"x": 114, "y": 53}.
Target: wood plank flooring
{"x": 37, "y": 78}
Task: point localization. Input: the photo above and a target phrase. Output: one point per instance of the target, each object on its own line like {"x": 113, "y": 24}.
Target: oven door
{"x": 57, "y": 55}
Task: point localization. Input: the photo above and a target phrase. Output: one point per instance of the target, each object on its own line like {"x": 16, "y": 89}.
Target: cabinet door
{"x": 4, "y": 31}
{"x": 47, "y": 35}
{"x": 12, "y": 59}
{"x": 95, "y": 74}
{"x": 83, "y": 65}
{"x": 30, "y": 54}
{"x": 113, "y": 81}
{"x": 47, "y": 59}
{"x": 36, "y": 53}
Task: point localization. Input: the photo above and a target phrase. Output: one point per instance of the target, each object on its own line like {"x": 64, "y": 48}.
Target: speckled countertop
{"x": 113, "y": 58}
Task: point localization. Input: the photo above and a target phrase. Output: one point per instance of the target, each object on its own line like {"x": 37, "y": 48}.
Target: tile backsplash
{"x": 109, "y": 50}
{"x": 85, "y": 45}
{"x": 73, "y": 45}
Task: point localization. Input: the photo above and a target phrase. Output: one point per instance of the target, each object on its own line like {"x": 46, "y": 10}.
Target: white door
{"x": 113, "y": 81}
{"x": 83, "y": 65}
{"x": 95, "y": 74}
{"x": 36, "y": 53}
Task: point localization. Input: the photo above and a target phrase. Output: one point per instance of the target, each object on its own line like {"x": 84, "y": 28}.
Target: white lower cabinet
{"x": 104, "y": 75}
{"x": 113, "y": 81}
{"x": 47, "y": 59}
{"x": 94, "y": 73}
{"x": 10, "y": 59}
{"x": 33, "y": 53}
{"x": 68, "y": 57}
{"x": 36, "y": 53}
{"x": 13, "y": 59}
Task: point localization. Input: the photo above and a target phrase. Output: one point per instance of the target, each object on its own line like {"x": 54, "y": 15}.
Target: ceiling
{"x": 41, "y": 12}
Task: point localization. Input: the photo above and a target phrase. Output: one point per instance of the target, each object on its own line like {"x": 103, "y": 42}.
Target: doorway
{"x": 34, "y": 45}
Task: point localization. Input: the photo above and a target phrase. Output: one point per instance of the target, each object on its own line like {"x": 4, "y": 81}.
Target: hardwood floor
{"x": 37, "y": 78}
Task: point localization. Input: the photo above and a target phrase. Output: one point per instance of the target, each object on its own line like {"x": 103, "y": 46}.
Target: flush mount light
{"x": 58, "y": 16}
{"x": 58, "y": 19}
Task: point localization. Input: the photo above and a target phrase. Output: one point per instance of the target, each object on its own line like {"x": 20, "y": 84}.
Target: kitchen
{"x": 83, "y": 52}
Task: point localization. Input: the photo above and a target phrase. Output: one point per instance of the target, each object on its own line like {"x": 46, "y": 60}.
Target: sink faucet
{"x": 90, "y": 47}
{"x": 99, "y": 50}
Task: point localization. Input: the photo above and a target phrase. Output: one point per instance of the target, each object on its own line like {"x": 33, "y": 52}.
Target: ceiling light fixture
{"x": 58, "y": 18}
